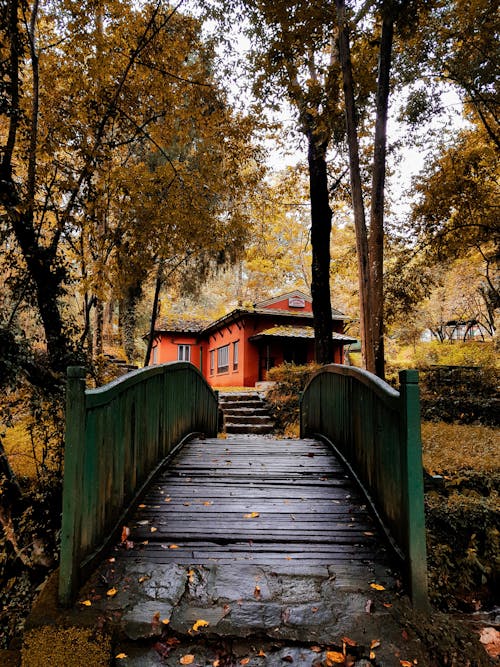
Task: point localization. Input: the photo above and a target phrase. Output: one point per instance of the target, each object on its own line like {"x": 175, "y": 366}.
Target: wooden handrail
{"x": 117, "y": 437}
{"x": 376, "y": 431}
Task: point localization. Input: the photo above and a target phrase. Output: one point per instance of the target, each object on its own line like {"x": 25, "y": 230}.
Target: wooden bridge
{"x": 143, "y": 452}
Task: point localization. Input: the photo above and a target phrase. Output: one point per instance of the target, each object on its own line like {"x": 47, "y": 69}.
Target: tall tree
{"x": 112, "y": 145}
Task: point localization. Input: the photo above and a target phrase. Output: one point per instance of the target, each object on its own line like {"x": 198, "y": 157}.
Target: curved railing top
{"x": 101, "y": 395}
{"x": 387, "y": 393}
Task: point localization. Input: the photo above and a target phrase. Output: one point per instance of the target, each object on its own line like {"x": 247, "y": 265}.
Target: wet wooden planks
{"x": 259, "y": 500}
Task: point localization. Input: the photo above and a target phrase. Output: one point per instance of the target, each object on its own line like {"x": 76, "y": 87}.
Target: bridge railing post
{"x": 73, "y": 455}
{"x": 416, "y": 550}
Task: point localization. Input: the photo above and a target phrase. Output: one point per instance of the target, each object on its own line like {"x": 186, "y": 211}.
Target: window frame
{"x": 182, "y": 349}
{"x": 223, "y": 359}
{"x": 236, "y": 354}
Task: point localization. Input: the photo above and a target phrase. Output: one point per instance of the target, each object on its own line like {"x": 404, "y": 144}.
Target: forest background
{"x": 140, "y": 177}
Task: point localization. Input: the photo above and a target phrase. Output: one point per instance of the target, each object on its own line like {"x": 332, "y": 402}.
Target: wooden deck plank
{"x": 308, "y": 513}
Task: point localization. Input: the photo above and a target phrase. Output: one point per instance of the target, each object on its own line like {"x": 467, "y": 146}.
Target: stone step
{"x": 260, "y": 410}
{"x": 249, "y": 428}
{"x": 247, "y": 419}
{"x": 240, "y": 404}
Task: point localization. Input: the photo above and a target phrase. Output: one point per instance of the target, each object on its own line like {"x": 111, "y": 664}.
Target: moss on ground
{"x": 65, "y": 647}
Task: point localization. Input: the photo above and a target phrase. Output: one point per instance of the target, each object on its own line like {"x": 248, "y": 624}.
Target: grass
{"x": 450, "y": 447}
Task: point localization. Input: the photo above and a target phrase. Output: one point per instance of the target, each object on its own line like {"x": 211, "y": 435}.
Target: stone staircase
{"x": 244, "y": 412}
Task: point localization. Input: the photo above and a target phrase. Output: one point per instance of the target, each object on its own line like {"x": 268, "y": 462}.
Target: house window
{"x": 212, "y": 361}
{"x": 235, "y": 355}
{"x": 155, "y": 354}
{"x": 223, "y": 359}
{"x": 184, "y": 352}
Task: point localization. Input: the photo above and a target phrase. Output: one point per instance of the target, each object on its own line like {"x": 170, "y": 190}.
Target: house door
{"x": 295, "y": 352}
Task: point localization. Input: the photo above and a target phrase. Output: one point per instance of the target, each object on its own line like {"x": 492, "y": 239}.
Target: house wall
{"x": 167, "y": 348}
{"x": 226, "y": 337}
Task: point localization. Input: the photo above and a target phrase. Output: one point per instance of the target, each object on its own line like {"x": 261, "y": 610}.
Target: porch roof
{"x": 298, "y": 332}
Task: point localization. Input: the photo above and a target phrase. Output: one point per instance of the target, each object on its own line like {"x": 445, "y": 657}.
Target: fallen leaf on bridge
{"x": 168, "y": 500}
{"x": 142, "y": 506}
{"x": 256, "y": 593}
{"x": 334, "y": 658}
{"x": 111, "y": 593}
{"x": 251, "y": 515}
{"x": 86, "y": 603}
{"x": 261, "y": 654}
{"x": 187, "y": 659}
{"x": 173, "y": 546}
{"x": 153, "y": 529}
{"x": 244, "y": 661}
{"x": 207, "y": 503}
{"x": 125, "y": 533}
{"x": 349, "y": 641}
{"x": 378, "y": 587}
{"x": 121, "y": 656}
{"x": 375, "y": 643}
{"x": 406, "y": 663}
{"x": 200, "y": 624}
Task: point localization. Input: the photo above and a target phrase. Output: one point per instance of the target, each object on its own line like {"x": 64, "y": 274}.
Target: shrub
{"x": 284, "y": 397}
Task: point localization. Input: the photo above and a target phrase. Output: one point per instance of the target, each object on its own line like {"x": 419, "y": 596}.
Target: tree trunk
{"x": 376, "y": 240}
{"x": 98, "y": 328}
{"x": 356, "y": 191}
{"x": 321, "y": 226}
{"x": 129, "y": 320}
{"x": 154, "y": 312}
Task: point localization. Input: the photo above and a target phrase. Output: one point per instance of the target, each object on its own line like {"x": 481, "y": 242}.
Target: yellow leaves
{"x": 375, "y": 643}
{"x": 200, "y": 624}
{"x": 86, "y": 603}
{"x": 187, "y": 659}
{"x": 251, "y": 515}
{"x": 207, "y": 503}
{"x": 121, "y": 656}
{"x": 173, "y": 546}
{"x": 334, "y": 658}
{"x": 153, "y": 529}
{"x": 111, "y": 592}
{"x": 378, "y": 587}
{"x": 191, "y": 574}
{"x": 257, "y": 593}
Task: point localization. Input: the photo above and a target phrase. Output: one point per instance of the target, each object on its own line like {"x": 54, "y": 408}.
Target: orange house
{"x": 239, "y": 348}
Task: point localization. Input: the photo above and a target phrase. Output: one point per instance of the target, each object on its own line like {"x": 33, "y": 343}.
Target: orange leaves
{"x": 187, "y": 659}
{"x": 86, "y": 603}
{"x": 378, "y": 587}
{"x": 251, "y": 515}
{"x": 200, "y": 624}
{"x": 111, "y": 592}
{"x": 334, "y": 658}
{"x": 257, "y": 593}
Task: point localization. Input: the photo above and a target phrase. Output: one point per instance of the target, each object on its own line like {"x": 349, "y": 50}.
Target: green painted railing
{"x": 117, "y": 438}
{"x": 376, "y": 431}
